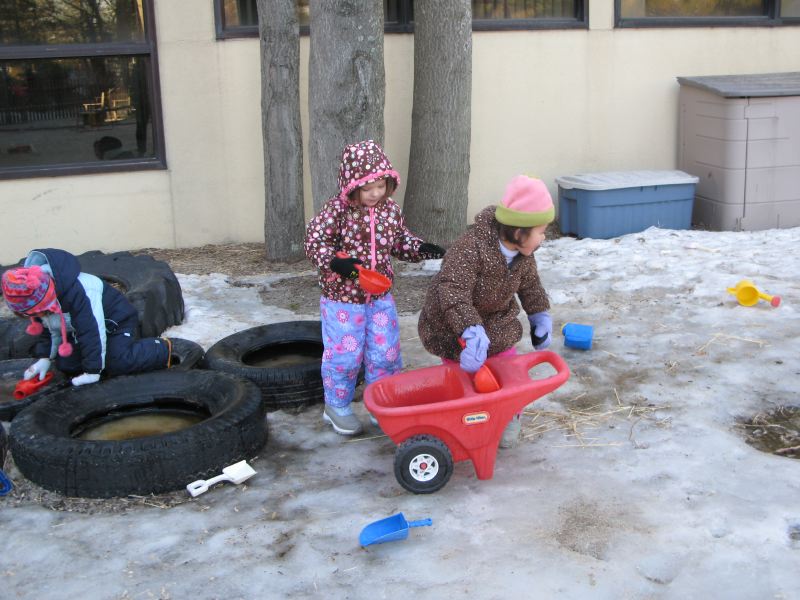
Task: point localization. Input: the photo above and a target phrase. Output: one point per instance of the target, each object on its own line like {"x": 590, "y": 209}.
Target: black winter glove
{"x": 431, "y": 250}
{"x": 345, "y": 267}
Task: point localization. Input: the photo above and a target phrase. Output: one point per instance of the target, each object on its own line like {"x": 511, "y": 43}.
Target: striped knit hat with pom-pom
{"x": 29, "y": 291}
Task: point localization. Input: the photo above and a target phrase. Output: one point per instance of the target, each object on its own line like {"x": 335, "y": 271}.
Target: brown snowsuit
{"x": 476, "y": 286}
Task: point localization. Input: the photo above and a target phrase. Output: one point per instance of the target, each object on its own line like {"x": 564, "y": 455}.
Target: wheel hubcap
{"x": 423, "y": 467}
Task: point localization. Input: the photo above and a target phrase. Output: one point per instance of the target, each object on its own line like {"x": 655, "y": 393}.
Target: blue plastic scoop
{"x": 389, "y": 529}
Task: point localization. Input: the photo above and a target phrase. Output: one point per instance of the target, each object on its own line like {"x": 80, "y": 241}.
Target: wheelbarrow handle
{"x": 542, "y": 356}
{"x": 520, "y": 365}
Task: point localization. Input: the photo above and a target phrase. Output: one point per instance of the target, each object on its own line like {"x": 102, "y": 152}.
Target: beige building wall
{"x": 546, "y": 103}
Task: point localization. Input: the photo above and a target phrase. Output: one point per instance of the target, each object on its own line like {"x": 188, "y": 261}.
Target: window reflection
{"x": 522, "y": 9}
{"x": 242, "y": 13}
{"x": 26, "y": 22}
{"x": 64, "y": 111}
{"x": 790, "y": 8}
{"x": 691, "y": 8}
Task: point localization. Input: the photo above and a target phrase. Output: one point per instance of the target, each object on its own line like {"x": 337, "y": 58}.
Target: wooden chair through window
{"x": 109, "y": 107}
{"x": 94, "y": 113}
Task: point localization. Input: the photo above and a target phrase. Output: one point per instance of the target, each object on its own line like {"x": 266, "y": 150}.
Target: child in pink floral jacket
{"x": 366, "y": 224}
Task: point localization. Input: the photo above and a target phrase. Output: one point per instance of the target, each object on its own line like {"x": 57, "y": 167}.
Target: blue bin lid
{"x": 614, "y": 180}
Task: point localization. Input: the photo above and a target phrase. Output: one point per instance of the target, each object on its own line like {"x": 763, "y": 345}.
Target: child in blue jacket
{"x": 85, "y": 325}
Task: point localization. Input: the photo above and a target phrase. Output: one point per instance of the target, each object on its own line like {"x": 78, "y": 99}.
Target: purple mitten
{"x": 477, "y": 345}
{"x": 541, "y": 329}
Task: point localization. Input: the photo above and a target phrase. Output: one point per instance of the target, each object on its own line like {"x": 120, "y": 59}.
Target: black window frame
{"x": 147, "y": 49}
{"x": 405, "y": 24}
{"x": 770, "y": 18}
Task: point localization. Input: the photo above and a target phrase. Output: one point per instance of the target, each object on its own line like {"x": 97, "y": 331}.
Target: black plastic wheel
{"x": 53, "y": 442}
{"x": 423, "y": 464}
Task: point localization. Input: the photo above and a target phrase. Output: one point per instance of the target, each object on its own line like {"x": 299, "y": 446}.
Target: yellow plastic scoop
{"x": 748, "y": 294}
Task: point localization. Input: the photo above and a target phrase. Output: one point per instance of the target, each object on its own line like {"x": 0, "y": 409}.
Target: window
{"x": 527, "y": 14}
{"x": 239, "y": 18}
{"x": 705, "y": 13}
{"x": 78, "y": 87}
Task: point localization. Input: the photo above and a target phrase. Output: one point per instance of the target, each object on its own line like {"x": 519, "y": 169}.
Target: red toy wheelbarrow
{"x": 437, "y": 418}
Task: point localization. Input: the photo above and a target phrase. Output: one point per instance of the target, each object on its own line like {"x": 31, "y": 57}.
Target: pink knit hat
{"x": 28, "y": 291}
{"x": 526, "y": 203}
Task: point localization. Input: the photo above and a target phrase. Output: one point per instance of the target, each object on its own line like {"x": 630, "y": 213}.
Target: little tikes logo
{"x": 475, "y": 418}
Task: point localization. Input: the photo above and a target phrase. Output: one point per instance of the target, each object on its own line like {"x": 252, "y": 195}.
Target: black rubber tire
{"x": 10, "y": 373}
{"x": 45, "y": 452}
{"x": 14, "y": 342}
{"x": 186, "y": 354}
{"x": 410, "y": 451}
{"x": 3, "y": 446}
{"x": 149, "y": 284}
{"x": 281, "y": 387}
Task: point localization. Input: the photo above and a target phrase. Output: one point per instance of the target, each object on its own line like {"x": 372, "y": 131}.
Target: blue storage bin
{"x": 606, "y": 205}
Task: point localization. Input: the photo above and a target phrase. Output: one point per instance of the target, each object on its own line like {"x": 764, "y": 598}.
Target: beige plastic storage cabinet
{"x": 740, "y": 135}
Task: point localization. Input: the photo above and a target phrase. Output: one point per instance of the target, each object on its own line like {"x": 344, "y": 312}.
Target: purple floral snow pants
{"x": 352, "y": 333}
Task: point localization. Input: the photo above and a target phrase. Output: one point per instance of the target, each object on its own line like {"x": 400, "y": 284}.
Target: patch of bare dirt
{"x": 237, "y": 260}
{"x": 301, "y": 294}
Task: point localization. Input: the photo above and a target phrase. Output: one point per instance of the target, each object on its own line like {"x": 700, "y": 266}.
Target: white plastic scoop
{"x": 235, "y": 473}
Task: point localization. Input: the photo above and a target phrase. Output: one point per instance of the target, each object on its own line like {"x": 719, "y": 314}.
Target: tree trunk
{"x": 346, "y": 85}
{"x": 284, "y": 218}
{"x": 438, "y": 170}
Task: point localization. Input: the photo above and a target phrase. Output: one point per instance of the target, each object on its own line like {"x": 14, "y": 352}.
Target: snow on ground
{"x": 633, "y": 480}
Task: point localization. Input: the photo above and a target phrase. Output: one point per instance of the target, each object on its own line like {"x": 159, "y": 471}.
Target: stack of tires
{"x": 55, "y": 436}
{"x": 92, "y": 441}
{"x": 150, "y": 285}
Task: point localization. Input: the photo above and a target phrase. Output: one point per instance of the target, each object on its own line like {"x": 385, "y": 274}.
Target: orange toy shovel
{"x": 369, "y": 280}
{"x": 26, "y": 387}
{"x": 484, "y": 380}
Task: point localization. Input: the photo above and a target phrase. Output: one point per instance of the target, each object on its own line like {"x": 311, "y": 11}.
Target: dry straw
{"x": 577, "y": 423}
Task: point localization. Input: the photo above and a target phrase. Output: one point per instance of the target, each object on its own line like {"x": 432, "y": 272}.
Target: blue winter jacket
{"x": 88, "y": 304}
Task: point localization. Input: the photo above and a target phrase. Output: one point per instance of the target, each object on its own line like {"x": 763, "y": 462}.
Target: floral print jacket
{"x": 372, "y": 235}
